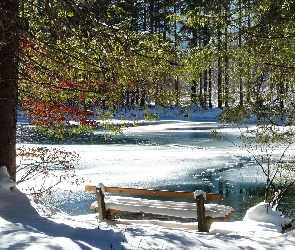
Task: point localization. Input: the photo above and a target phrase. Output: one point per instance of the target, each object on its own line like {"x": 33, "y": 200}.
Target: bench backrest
{"x": 152, "y": 192}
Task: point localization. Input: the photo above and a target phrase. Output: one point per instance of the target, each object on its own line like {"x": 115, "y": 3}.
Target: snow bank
{"x": 23, "y": 228}
{"x": 263, "y": 213}
{"x": 5, "y": 182}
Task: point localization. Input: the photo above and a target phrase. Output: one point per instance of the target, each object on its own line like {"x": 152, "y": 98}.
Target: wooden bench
{"x": 107, "y": 206}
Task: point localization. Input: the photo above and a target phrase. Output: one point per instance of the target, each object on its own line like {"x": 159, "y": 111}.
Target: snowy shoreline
{"x": 27, "y": 224}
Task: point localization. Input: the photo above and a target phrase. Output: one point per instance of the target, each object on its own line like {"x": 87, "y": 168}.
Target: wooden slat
{"x": 90, "y": 188}
{"x": 93, "y": 207}
{"x": 151, "y": 192}
{"x": 222, "y": 218}
{"x": 112, "y": 212}
{"x": 213, "y": 197}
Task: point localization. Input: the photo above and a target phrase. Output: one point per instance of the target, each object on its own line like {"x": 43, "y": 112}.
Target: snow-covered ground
{"x": 26, "y": 224}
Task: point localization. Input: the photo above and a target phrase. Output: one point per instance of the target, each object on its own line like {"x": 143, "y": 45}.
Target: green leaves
{"x": 249, "y": 45}
{"x": 197, "y": 60}
{"x": 78, "y": 54}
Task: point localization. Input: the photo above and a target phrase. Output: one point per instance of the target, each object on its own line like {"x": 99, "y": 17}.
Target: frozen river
{"x": 171, "y": 155}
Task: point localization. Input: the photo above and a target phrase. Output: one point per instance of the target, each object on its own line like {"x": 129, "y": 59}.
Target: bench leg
{"x": 101, "y": 207}
{"x": 204, "y": 222}
{"x": 209, "y": 222}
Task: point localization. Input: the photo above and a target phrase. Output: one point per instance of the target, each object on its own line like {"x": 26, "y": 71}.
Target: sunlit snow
{"x": 28, "y": 224}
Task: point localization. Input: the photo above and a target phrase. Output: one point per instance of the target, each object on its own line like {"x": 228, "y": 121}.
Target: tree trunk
{"x": 240, "y": 45}
{"x": 152, "y": 15}
{"x": 226, "y": 72}
{"x": 226, "y": 61}
{"x": 176, "y": 87}
{"x": 205, "y": 89}
{"x": 219, "y": 70}
{"x": 194, "y": 92}
{"x": 210, "y": 89}
{"x": 8, "y": 83}
{"x": 201, "y": 97}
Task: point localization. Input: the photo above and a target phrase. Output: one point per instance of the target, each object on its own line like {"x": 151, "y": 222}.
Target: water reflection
{"x": 28, "y": 135}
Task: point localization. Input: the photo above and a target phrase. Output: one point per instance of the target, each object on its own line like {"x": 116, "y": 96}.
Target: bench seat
{"x": 169, "y": 208}
{"x": 111, "y": 200}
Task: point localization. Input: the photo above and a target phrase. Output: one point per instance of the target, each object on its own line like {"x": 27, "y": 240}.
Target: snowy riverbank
{"x": 27, "y": 225}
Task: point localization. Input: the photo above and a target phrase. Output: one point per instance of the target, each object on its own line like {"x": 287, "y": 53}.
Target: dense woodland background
{"x": 134, "y": 53}
{"x": 210, "y": 53}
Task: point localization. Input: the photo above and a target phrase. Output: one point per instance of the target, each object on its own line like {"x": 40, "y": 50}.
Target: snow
{"x": 263, "y": 213}
{"x": 199, "y": 192}
{"x": 169, "y": 208}
{"x": 28, "y": 224}
{"x": 103, "y": 189}
{"x": 25, "y": 224}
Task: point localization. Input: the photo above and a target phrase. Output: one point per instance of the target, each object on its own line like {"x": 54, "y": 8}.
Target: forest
{"x": 60, "y": 60}
{"x": 229, "y": 54}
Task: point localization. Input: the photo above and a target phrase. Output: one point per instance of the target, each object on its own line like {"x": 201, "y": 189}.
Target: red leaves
{"x": 49, "y": 114}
